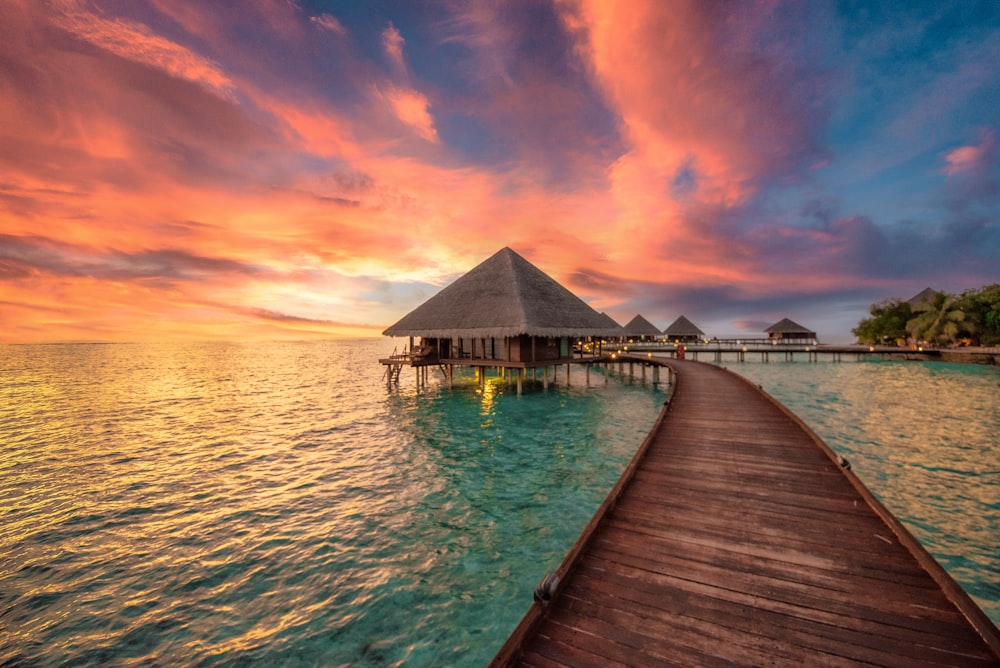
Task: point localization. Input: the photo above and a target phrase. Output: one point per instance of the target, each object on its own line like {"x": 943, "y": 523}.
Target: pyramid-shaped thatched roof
{"x": 612, "y": 323}
{"x": 923, "y": 300}
{"x": 504, "y": 296}
{"x": 639, "y": 326}
{"x": 786, "y": 326}
{"x": 683, "y": 327}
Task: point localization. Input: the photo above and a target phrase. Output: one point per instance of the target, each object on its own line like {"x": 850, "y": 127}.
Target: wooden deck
{"x": 738, "y": 539}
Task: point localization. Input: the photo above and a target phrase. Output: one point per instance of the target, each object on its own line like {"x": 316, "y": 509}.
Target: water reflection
{"x": 217, "y": 503}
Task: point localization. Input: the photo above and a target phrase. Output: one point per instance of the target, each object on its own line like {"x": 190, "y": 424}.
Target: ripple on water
{"x": 205, "y": 504}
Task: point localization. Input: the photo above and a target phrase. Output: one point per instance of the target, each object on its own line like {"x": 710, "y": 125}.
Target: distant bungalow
{"x": 613, "y": 324}
{"x": 923, "y": 300}
{"x": 503, "y": 313}
{"x": 683, "y": 329}
{"x": 641, "y": 329}
{"x": 788, "y": 331}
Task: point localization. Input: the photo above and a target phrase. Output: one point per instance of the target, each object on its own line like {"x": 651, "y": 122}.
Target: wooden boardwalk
{"x": 738, "y": 539}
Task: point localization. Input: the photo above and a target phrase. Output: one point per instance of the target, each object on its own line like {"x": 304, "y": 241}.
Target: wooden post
{"x": 519, "y": 373}
{"x": 545, "y": 377}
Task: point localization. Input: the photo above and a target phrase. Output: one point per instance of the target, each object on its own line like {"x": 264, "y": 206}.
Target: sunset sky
{"x": 181, "y": 169}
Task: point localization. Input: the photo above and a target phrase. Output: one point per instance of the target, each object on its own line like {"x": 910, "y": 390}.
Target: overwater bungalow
{"x": 788, "y": 331}
{"x": 504, "y": 313}
{"x": 619, "y": 331}
{"x": 683, "y": 330}
{"x": 640, "y": 329}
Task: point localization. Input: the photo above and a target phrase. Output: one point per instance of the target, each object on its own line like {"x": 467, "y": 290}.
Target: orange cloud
{"x": 136, "y": 42}
{"x": 411, "y": 108}
{"x": 257, "y": 170}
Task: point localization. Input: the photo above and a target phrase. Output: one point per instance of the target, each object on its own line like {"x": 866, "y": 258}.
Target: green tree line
{"x": 971, "y": 318}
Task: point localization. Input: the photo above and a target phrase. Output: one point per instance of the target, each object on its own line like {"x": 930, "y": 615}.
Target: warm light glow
{"x": 284, "y": 172}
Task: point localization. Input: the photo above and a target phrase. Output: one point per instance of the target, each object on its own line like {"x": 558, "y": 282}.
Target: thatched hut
{"x": 788, "y": 331}
{"x": 504, "y": 312}
{"x": 683, "y": 329}
{"x": 638, "y": 328}
{"x": 923, "y": 300}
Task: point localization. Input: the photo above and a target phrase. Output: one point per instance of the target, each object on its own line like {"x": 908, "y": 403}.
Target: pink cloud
{"x": 329, "y": 23}
{"x": 712, "y": 83}
{"x": 392, "y": 42}
{"x": 972, "y": 158}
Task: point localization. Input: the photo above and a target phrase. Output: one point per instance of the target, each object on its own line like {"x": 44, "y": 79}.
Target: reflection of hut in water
{"x": 503, "y": 313}
{"x": 683, "y": 329}
{"x": 640, "y": 329}
{"x": 788, "y": 331}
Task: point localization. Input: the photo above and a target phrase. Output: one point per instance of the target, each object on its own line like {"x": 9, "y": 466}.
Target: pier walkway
{"x": 736, "y": 537}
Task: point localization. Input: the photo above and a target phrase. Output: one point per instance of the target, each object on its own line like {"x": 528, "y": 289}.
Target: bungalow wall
{"x": 480, "y": 349}
{"x": 793, "y": 337}
{"x": 546, "y": 348}
{"x": 513, "y": 349}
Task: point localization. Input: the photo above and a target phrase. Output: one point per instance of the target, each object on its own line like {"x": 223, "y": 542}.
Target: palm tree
{"x": 941, "y": 322}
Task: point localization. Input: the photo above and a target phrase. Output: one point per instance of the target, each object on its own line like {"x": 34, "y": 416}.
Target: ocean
{"x": 274, "y": 504}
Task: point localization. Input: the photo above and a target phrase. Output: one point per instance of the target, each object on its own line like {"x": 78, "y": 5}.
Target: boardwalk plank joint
{"x": 735, "y": 535}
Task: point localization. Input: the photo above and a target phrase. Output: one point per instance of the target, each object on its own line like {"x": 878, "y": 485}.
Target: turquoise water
{"x": 274, "y": 504}
{"x": 925, "y": 438}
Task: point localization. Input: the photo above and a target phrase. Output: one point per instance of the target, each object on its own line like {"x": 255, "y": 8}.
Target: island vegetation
{"x": 940, "y": 319}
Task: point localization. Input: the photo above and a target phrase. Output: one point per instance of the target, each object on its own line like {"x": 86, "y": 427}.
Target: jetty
{"x": 768, "y": 350}
{"x": 736, "y": 536}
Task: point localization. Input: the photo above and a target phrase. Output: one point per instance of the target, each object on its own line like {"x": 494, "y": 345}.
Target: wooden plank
{"x": 735, "y": 537}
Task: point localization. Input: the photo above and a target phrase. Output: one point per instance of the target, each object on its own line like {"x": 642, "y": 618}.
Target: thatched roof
{"x": 683, "y": 327}
{"x": 788, "y": 327}
{"x": 504, "y": 296}
{"x": 922, "y": 301}
{"x": 613, "y": 324}
{"x": 639, "y": 326}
